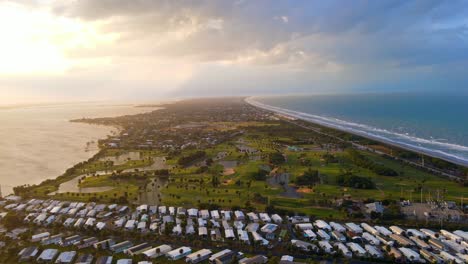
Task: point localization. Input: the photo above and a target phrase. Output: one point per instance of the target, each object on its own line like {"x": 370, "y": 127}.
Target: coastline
{"x": 72, "y": 142}
{"x": 298, "y": 115}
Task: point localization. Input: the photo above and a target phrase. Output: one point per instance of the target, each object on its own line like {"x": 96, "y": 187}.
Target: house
{"x": 323, "y": 225}
{"x": 243, "y": 235}
{"x": 138, "y": 249}
{"x": 26, "y": 254}
{"x": 304, "y": 226}
{"x": 172, "y": 210}
{"x": 344, "y": 250}
{"x": 157, "y": 251}
{"x": 68, "y": 222}
{"x": 325, "y": 246}
{"x": 286, "y": 259}
{"x": 181, "y": 211}
{"x": 189, "y": 229}
{"x": 239, "y": 215}
{"x": 354, "y": 228}
{"x": 269, "y": 228}
{"x": 178, "y": 253}
{"x": 277, "y": 219}
{"x": 430, "y": 257}
{"x": 304, "y": 246}
{"x": 383, "y": 230}
{"x": 410, "y": 254}
{"x": 204, "y": 214}
{"x": 229, "y": 234}
{"x": 202, "y": 231}
{"x": 121, "y": 247}
{"x": 253, "y": 217}
{"x": 310, "y": 234}
{"x": 130, "y": 225}
{"x": 356, "y": 249}
{"x": 252, "y": 227}
{"x": 397, "y": 230}
{"x": 215, "y": 214}
{"x": 265, "y": 217}
{"x": 66, "y": 257}
{"x": 371, "y": 239}
{"x": 79, "y": 223}
{"x": 373, "y": 252}
{"x": 142, "y": 208}
{"x": 225, "y": 252}
{"x": 55, "y": 239}
{"x": 40, "y": 219}
{"x": 375, "y": 207}
{"x": 162, "y": 210}
{"x": 88, "y": 242}
{"x": 84, "y": 259}
{"x": 198, "y": 256}
{"x": 254, "y": 260}
{"x": 71, "y": 240}
{"x": 48, "y": 255}
{"x": 100, "y": 225}
{"x": 39, "y": 237}
{"x": 124, "y": 261}
{"x": 323, "y": 234}
{"x": 192, "y": 212}
{"x": 104, "y": 260}
{"x": 90, "y": 222}
{"x": 141, "y": 226}
{"x": 104, "y": 244}
{"x": 338, "y": 236}
{"x": 226, "y": 215}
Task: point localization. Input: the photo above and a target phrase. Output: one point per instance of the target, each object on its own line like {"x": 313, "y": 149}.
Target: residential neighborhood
{"x": 67, "y": 232}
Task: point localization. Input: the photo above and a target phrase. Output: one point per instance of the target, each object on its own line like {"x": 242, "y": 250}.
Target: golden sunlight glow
{"x": 35, "y": 42}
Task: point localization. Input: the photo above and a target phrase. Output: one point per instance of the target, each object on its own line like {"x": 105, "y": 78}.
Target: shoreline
{"x": 86, "y": 151}
{"x": 286, "y": 112}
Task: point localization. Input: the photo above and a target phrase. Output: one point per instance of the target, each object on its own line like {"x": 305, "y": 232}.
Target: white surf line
{"x": 327, "y": 122}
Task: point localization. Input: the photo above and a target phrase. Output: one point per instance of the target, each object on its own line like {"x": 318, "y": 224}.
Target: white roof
{"x": 176, "y": 252}
{"x": 163, "y": 249}
{"x": 276, "y": 218}
{"x": 48, "y": 254}
{"x": 202, "y": 253}
{"x": 229, "y": 233}
{"x": 66, "y": 257}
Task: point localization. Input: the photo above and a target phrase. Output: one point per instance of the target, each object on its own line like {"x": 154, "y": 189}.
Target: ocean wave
{"x": 431, "y": 147}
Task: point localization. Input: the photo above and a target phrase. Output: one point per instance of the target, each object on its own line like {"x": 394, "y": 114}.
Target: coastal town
{"x": 222, "y": 181}
{"x": 77, "y": 232}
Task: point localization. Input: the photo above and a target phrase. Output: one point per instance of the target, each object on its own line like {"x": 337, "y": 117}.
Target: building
{"x": 375, "y": 207}
{"x": 48, "y": 255}
{"x": 39, "y": 237}
{"x": 135, "y": 250}
{"x": 121, "y": 247}
{"x": 55, "y": 239}
{"x": 84, "y": 259}
{"x": 178, "y": 253}
{"x": 104, "y": 260}
{"x": 71, "y": 240}
{"x": 66, "y": 257}
{"x": 220, "y": 254}
{"x": 254, "y": 260}
{"x": 198, "y": 256}
{"x": 26, "y": 254}
{"x": 157, "y": 251}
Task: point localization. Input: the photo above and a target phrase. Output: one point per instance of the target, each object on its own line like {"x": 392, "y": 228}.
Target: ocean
{"x": 435, "y": 124}
{"x": 38, "y": 142}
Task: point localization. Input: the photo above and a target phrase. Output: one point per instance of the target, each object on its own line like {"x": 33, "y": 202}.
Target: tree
{"x": 309, "y": 177}
{"x": 277, "y": 158}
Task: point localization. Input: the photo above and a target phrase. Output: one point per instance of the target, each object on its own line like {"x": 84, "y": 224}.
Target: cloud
{"x": 176, "y": 46}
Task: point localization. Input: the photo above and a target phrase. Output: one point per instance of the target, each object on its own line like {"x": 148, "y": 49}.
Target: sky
{"x": 79, "y": 50}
